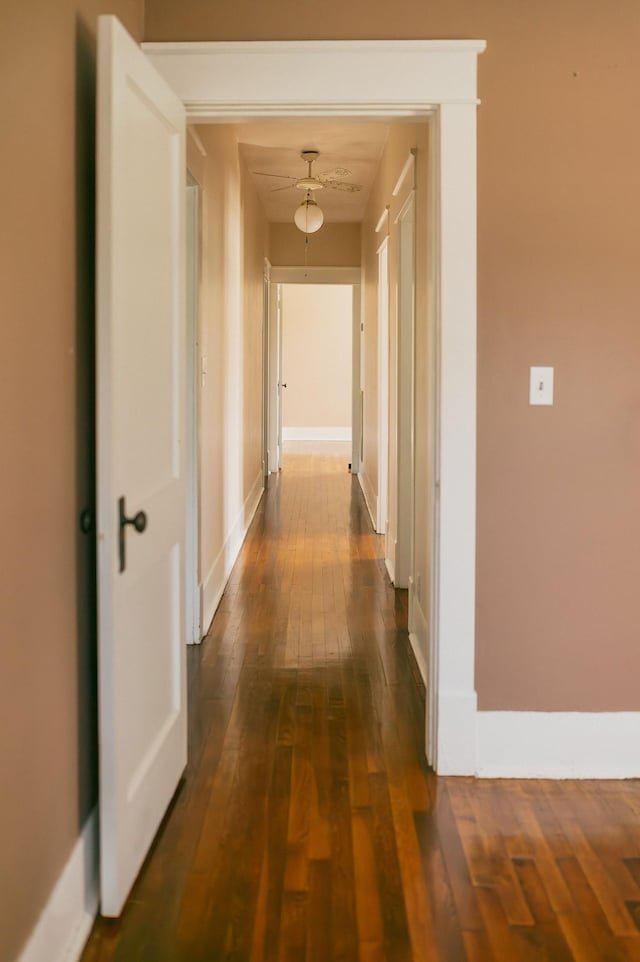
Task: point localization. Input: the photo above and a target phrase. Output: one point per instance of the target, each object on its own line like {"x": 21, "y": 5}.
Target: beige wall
{"x": 47, "y": 568}
{"x": 335, "y": 245}
{"x": 316, "y": 355}
{"x": 559, "y": 154}
{"x": 234, "y": 245}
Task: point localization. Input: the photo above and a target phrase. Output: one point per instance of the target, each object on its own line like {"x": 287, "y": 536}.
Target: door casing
{"x": 435, "y": 80}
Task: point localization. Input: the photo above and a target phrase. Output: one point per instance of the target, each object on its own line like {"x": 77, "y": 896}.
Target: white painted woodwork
{"x": 408, "y": 169}
{"x": 356, "y": 392}
{"x": 281, "y": 383}
{"x": 558, "y": 744}
{"x": 266, "y": 311}
{"x": 315, "y": 275}
{"x": 455, "y": 131}
{"x": 391, "y": 79}
{"x": 300, "y": 78}
{"x": 193, "y": 374}
{"x": 141, "y": 452}
{"x": 273, "y": 375}
{"x": 383, "y": 388}
{"x": 405, "y": 338}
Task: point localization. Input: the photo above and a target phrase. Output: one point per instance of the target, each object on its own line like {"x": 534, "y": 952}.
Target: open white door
{"x": 141, "y": 454}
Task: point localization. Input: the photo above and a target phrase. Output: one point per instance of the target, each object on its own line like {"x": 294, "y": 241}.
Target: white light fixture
{"x": 308, "y": 216}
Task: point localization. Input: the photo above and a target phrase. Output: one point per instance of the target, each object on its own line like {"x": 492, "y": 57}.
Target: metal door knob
{"x": 138, "y": 521}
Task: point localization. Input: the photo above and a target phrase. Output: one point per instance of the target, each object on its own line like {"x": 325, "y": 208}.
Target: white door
{"x": 141, "y": 454}
{"x": 274, "y": 377}
{"x": 404, "y": 388}
{"x": 193, "y": 374}
{"x": 383, "y": 391}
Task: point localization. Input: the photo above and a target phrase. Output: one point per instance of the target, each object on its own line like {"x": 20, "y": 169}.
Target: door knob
{"x": 86, "y": 521}
{"x": 138, "y": 521}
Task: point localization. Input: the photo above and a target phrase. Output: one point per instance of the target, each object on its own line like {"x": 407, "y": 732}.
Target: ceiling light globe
{"x": 308, "y": 217}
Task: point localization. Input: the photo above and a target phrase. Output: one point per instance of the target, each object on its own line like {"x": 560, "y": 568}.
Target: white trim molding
{"x": 232, "y": 80}
{"x": 197, "y": 140}
{"x": 369, "y": 497}
{"x": 435, "y": 80}
{"x": 409, "y": 167}
{"x": 212, "y": 588}
{"x": 65, "y": 922}
{"x": 418, "y": 632}
{"x": 530, "y": 744}
{"x": 316, "y": 275}
{"x": 384, "y": 220}
{"x": 316, "y": 434}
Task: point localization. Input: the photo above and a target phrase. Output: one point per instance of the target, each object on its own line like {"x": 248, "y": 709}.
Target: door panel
{"x": 141, "y": 445}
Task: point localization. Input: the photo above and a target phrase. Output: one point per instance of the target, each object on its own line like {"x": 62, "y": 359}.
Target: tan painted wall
{"x": 335, "y": 245}
{"x": 234, "y": 245}
{"x": 316, "y": 355}
{"x": 559, "y": 204}
{"x": 47, "y": 568}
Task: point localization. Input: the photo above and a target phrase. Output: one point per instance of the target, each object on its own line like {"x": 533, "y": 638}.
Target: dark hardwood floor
{"x": 308, "y": 826}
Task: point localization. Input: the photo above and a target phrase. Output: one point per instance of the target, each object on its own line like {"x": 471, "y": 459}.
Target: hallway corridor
{"x": 308, "y": 827}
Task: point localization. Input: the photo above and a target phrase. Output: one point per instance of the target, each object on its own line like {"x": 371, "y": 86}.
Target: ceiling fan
{"x": 308, "y": 216}
{"x": 331, "y": 179}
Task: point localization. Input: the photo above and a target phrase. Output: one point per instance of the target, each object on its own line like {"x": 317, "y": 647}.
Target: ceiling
{"x": 274, "y": 147}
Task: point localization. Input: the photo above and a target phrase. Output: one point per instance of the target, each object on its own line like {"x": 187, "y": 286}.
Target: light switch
{"x": 541, "y": 385}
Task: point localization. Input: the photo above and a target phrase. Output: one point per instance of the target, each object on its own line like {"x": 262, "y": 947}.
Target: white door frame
{"x": 314, "y": 275}
{"x": 357, "y": 426}
{"x": 266, "y": 323}
{"x": 274, "y": 374}
{"x": 434, "y": 79}
{"x": 192, "y": 539}
{"x": 383, "y": 387}
{"x": 404, "y": 569}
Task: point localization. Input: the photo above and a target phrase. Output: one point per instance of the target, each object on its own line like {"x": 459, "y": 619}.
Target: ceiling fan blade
{"x": 286, "y": 187}
{"x": 344, "y": 185}
{"x": 264, "y": 173}
{"x": 338, "y": 173}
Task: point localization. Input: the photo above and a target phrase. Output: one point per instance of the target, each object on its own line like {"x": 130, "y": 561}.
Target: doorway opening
{"x": 313, "y": 314}
{"x": 435, "y": 81}
{"x": 315, "y": 379}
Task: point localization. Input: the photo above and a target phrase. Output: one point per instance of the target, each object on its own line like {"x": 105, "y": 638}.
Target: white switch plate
{"x": 541, "y": 385}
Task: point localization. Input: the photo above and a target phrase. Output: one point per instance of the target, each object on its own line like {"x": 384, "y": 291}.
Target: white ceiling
{"x": 274, "y": 147}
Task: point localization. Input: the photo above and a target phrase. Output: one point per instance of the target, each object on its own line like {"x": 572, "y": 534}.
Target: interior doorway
{"x": 297, "y": 302}
{"x": 316, "y": 367}
{"x": 435, "y": 80}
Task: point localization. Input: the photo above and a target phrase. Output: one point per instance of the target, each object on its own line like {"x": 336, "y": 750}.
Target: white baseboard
{"x": 391, "y": 571}
{"x": 316, "y": 434}
{"x": 529, "y": 744}
{"x": 64, "y": 925}
{"x": 418, "y": 634}
{"x": 216, "y": 580}
{"x": 369, "y": 497}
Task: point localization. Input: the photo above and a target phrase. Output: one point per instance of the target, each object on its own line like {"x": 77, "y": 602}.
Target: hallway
{"x": 308, "y": 827}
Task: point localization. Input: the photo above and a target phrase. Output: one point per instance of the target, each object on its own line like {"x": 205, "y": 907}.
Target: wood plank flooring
{"x": 308, "y": 826}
